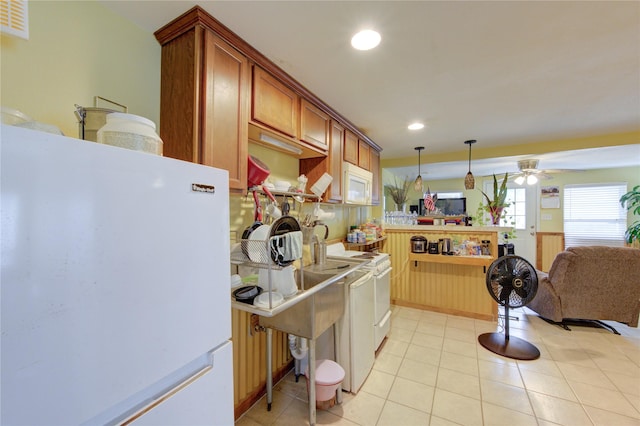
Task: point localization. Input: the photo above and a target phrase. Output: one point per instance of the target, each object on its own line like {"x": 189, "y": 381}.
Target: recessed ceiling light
{"x": 415, "y": 126}
{"x": 365, "y": 40}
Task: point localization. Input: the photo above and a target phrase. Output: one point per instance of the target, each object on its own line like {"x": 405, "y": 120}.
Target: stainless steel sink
{"x": 316, "y": 274}
{"x": 317, "y": 312}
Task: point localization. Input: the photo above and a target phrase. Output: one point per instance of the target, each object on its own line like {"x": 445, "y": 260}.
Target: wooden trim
{"x": 634, "y": 244}
{"x": 199, "y": 17}
{"x": 441, "y": 310}
{"x": 456, "y": 260}
{"x": 548, "y": 244}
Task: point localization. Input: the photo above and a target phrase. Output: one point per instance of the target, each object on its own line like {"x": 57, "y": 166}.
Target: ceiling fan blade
{"x": 554, "y": 171}
{"x": 530, "y": 167}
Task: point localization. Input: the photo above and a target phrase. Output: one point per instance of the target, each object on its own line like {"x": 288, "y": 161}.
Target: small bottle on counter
{"x": 486, "y": 247}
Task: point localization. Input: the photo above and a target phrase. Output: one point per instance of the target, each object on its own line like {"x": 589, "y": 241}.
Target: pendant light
{"x": 418, "y": 183}
{"x": 469, "y": 181}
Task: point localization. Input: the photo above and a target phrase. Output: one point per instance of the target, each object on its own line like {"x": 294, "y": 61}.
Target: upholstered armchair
{"x": 590, "y": 283}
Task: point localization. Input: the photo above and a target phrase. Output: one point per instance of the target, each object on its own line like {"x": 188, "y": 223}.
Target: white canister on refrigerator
{"x": 130, "y": 131}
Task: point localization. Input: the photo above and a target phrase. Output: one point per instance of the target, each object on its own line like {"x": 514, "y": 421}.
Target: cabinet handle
{"x": 166, "y": 395}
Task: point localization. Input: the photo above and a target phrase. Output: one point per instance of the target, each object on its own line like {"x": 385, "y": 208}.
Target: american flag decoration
{"x": 429, "y": 201}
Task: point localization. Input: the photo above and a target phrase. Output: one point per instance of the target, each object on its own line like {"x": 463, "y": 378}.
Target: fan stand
{"x": 505, "y": 345}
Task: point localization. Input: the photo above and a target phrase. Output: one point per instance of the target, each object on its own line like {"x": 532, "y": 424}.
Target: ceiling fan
{"x": 529, "y": 172}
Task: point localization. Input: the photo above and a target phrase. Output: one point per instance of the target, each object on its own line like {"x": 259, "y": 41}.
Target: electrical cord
{"x": 397, "y": 273}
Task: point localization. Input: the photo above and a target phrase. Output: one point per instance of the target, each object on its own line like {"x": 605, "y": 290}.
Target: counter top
{"x": 448, "y": 228}
{"x": 328, "y": 268}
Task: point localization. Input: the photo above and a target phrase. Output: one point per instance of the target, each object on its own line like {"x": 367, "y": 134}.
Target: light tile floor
{"x": 432, "y": 371}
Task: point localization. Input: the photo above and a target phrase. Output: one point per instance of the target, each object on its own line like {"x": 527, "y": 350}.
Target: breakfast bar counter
{"x": 447, "y": 283}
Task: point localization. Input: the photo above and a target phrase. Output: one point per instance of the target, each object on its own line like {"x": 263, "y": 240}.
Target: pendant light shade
{"x": 469, "y": 180}
{"x": 418, "y": 183}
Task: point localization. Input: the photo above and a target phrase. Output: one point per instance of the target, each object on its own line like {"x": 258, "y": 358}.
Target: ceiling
{"x": 574, "y": 160}
{"x": 503, "y": 73}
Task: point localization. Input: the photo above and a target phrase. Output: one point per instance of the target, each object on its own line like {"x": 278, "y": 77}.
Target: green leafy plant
{"x": 399, "y": 193}
{"x": 632, "y": 201}
{"x": 481, "y": 219}
{"x": 499, "y": 194}
{"x": 496, "y": 206}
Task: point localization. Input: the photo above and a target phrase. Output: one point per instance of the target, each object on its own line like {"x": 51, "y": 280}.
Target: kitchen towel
{"x": 292, "y": 246}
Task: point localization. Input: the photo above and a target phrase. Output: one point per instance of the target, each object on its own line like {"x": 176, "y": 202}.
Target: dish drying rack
{"x": 258, "y": 254}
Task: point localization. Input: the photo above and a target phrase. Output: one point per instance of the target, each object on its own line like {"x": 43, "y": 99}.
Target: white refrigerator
{"x": 114, "y": 285}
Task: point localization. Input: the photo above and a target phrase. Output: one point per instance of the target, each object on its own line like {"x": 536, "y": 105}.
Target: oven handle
{"x": 361, "y": 280}
{"x": 385, "y": 272}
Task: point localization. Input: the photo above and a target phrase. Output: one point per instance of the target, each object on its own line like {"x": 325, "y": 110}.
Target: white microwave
{"x": 357, "y": 183}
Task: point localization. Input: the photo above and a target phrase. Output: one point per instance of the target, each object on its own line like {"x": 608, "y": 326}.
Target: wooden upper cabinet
{"x": 314, "y": 125}
{"x": 274, "y": 104}
{"x": 376, "y": 172}
{"x": 363, "y": 155}
{"x": 204, "y": 100}
{"x": 226, "y": 98}
{"x": 350, "y": 153}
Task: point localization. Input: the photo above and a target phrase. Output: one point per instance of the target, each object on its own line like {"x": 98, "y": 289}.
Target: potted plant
{"x": 496, "y": 206}
{"x": 399, "y": 193}
{"x": 632, "y": 200}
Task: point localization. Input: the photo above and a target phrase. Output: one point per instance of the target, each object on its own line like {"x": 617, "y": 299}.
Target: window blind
{"x": 14, "y": 18}
{"x": 593, "y": 215}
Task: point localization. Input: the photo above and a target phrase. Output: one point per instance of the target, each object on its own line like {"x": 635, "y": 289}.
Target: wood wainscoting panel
{"x": 548, "y": 245}
{"x": 250, "y": 360}
{"x": 441, "y": 287}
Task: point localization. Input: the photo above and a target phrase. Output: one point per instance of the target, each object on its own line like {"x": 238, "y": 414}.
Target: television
{"x": 452, "y": 206}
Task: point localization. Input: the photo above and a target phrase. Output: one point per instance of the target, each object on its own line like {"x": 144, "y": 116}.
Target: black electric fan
{"x": 512, "y": 282}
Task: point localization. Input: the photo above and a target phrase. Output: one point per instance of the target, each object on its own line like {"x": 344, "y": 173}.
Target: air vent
{"x": 14, "y": 18}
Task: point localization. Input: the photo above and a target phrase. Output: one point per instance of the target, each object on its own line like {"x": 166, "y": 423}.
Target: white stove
{"x": 380, "y": 266}
{"x": 379, "y": 263}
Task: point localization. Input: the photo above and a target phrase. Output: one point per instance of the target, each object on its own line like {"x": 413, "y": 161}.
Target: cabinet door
{"x": 375, "y": 170}
{"x": 204, "y": 93}
{"x": 274, "y": 104}
{"x": 335, "y": 161}
{"x": 350, "y": 153}
{"x": 314, "y": 125}
{"x": 178, "y": 96}
{"x": 363, "y": 155}
{"x": 314, "y": 168}
{"x": 225, "y": 110}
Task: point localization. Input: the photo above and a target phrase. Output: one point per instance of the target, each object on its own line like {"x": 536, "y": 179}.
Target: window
{"x": 516, "y": 214}
{"x": 593, "y": 215}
